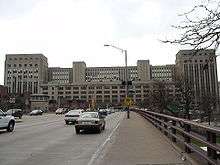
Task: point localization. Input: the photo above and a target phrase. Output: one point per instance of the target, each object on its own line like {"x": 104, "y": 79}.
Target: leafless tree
{"x": 201, "y": 26}
{"x": 206, "y": 106}
{"x": 160, "y": 97}
{"x": 184, "y": 96}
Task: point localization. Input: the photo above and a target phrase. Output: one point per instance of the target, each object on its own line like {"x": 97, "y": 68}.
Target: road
{"x": 46, "y": 140}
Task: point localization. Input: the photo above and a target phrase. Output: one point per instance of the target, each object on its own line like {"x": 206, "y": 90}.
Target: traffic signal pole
{"x": 126, "y": 82}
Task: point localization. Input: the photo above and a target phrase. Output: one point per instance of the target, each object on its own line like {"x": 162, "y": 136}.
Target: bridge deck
{"x": 138, "y": 142}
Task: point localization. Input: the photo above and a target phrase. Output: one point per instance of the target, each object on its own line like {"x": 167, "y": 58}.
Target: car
{"x": 103, "y": 112}
{"x": 72, "y": 116}
{"x": 7, "y": 121}
{"x": 94, "y": 121}
{"x": 15, "y": 112}
{"x": 36, "y": 112}
{"x": 61, "y": 111}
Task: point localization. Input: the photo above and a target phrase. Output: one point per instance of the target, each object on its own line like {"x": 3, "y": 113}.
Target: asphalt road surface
{"x": 46, "y": 140}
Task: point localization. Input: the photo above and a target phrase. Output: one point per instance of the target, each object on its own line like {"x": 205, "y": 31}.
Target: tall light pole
{"x": 126, "y": 73}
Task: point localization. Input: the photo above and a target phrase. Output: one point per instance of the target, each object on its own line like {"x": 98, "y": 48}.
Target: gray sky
{"x": 72, "y": 30}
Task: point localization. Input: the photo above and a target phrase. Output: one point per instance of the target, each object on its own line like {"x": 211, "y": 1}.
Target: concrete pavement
{"x": 138, "y": 142}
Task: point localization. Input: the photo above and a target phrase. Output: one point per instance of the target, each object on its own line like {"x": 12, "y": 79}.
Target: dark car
{"x": 36, "y": 112}
{"x": 90, "y": 121}
{"x": 15, "y": 112}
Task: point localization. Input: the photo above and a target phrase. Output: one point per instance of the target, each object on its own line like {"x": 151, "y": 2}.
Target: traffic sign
{"x": 128, "y": 101}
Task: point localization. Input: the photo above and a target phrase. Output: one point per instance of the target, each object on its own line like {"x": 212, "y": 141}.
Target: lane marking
{"x": 98, "y": 151}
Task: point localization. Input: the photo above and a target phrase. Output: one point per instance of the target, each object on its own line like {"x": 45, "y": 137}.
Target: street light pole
{"x": 126, "y": 74}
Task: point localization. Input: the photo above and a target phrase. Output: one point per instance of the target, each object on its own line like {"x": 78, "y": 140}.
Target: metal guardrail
{"x": 184, "y": 131}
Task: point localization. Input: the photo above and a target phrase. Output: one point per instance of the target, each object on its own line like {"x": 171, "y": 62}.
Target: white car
{"x": 6, "y": 121}
{"x": 73, "y": 115}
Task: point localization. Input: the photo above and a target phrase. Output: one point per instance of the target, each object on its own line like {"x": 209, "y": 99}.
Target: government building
{"x": 104, "y": 85}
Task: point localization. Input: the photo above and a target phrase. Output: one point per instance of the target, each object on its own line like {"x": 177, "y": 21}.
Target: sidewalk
{"x": 138, "y": 142}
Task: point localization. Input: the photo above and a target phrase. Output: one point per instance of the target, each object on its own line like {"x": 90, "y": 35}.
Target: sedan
{"x": 36, "y": 112}
{"x": 72, "y": 116}
{"x": 90, "y": 121}
{"x": 15, "y": 112}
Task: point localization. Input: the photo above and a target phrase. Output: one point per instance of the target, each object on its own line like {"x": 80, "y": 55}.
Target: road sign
{"x": 128, "y": 101}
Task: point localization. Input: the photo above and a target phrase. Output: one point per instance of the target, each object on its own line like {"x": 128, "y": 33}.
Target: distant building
{"x": 199, "y": 69}
{"x": 162, "y": 72}
{"x": 60, "y": 75}
{"x": 29, "y": 73}
{"x": 25, "y": 72}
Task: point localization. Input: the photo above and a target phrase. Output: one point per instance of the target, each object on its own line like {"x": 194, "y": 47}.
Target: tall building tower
{"x": 79, "y": 72}
{"x": 143, "y": 70}
{"x": 25, "y": 72}
{"x": 199, "y": 69}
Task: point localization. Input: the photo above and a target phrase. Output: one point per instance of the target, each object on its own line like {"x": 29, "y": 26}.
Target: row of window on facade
{"x": 22, "y": 71}
{"x": 20, "y": 65}
{"x": 19, "y": 87}
{"x": 206, "y": 60}
{"x": 24, "y": 77}
{"x": 23, "y": 58}
{"x": 93, "y": 87}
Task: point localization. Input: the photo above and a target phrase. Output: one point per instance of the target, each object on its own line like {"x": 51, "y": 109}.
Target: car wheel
{"x": 103, "y": 128}
{"x": 11, "y": 126}
{"x": 100, "y": 129}
{"x": 77, "y": 130}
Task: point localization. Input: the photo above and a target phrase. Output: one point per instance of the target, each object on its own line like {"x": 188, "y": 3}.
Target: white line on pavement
{"x": 98, "y": 151}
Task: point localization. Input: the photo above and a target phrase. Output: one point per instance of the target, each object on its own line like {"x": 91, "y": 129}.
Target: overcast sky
{"x": 73, "y": 30}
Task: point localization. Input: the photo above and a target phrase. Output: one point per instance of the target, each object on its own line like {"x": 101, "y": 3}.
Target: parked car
{"x": 72, "y": 116}
{"x": 7, "y": 121}
{"x": 103, "y": 112}
{"x": 90, "y": 121}
{"x": 15, "y": 112}
{"x": 61, "y": 111}
{"x": 36, "y": 112}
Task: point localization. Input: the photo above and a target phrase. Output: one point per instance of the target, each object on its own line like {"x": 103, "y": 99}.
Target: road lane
{"x": 51, "y": 142}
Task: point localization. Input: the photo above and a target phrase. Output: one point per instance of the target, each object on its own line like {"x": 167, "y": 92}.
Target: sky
{"x": 76, "y": 30}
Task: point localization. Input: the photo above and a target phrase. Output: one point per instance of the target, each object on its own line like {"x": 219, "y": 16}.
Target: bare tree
{"x": 201, "y": 27}
{"x": 206, "y": 106}
{"x": 160, "y": 97}
{"x": 184, "y": 95}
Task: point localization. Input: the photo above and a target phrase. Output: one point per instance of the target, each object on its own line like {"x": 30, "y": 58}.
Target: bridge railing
{"x": 187, "y": 133}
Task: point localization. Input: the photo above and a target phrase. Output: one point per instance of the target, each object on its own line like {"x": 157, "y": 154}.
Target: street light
{"x": 126, "y": 73}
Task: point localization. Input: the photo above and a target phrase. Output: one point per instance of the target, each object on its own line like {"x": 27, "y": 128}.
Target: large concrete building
{"x": 30, "y": 73}
{"x": 199, "y": 70}
{"x": 25, "y": 72}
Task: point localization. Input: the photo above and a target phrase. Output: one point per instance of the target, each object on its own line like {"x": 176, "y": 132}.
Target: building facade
{"x": 60, "y": 75}
{"x": 25, "y": 72}
{"x": 163, "y": 72}
{"x": 30, "y": 73}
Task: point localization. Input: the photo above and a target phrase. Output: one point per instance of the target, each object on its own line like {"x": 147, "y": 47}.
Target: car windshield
{"x": 89, "y": 115}
{"x": 74, "y": 111}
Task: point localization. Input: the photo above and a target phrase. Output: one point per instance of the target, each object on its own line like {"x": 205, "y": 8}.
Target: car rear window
{"x": 89, "y": 115}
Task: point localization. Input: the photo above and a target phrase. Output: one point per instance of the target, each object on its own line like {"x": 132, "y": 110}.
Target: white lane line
{"x": 98, "y": 151}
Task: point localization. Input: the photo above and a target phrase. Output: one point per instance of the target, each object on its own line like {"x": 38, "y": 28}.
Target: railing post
{"x": 211, "y": 137}
{"x": 187, "y": 128}
{"x": 173, "y": 130}
{"x": 165, "y": 126}
{"x": 159, "y": 122}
